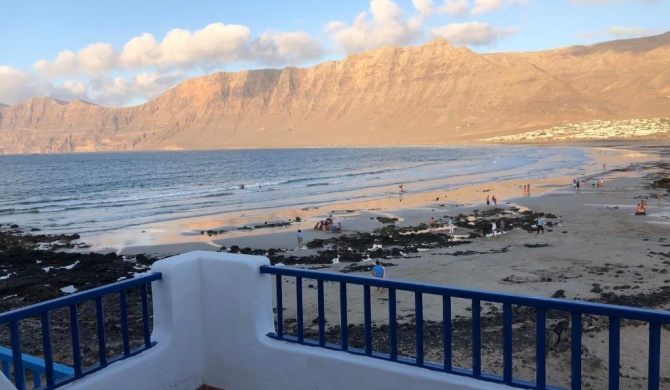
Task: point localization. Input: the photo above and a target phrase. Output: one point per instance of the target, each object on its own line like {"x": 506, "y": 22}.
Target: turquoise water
{"x": 86, "y": 193}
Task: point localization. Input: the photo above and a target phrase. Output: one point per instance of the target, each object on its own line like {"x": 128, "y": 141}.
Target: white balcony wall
{"x": 212, "y": 312}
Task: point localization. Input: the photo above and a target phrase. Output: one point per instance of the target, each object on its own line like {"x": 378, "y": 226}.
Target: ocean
{"x": 96, "y": 193}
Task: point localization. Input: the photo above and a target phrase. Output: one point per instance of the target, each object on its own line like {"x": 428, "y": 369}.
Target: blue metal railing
{"x": 57, "y": 375}
{"x": 34, "y": 365}
{"x": 576, "y": 310}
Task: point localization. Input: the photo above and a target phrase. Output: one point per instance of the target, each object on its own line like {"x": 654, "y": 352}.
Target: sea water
{"x": 95, "y": 193}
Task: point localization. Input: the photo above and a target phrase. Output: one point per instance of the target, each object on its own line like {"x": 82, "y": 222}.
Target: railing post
{"x": 146, "y": 332}
{"x": 344, "y": 322}
{"x": 393, "y": 336}
{"x": 418, "y": 318}
{"x": 102, "y": 345}
{"x": 576, "y": 351}
{"x": 280, "y": 307}
{"x": 298, "y": 298}
{"x": 17, "y": 358}
{"x": 614, "y": 352}
{"x": 321, "y": 310}
{"x": 446, "y": 332}
{"x": 654, "y": 355}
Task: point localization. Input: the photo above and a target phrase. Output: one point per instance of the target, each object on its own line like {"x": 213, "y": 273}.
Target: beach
{"x": 594, "y": 248}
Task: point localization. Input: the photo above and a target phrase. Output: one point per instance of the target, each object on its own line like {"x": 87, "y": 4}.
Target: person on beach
{"x": 494, "y": 228}
{"x": 501, "y": 223}
{"x": 540, "y": 224}
{"x": 379, "y": 272}
{"x": 488, "y": 200}
{"x": 528, "y": 190}
{"x": 494, "y": 200}
{"x": 451, "y": 225}
{"x": 432, "y": 223}
{"x": 299, "y": 236}
{"x": 400, "y": 187}
{"x": 524, "y": 190}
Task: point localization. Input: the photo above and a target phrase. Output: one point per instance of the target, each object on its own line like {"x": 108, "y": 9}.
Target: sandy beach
{"x": 593, "y": 247}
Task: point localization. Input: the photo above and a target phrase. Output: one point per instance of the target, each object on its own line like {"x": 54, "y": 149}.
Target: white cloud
{"x": 476, "y": 7}
{"x": 455, "y": 7}
{"x": 425, "y": 7}
{"x": 141, "y": 51}
{"x": 216, "y": 44}
{"x": 158, "y": 64}
{"x": 618, "y": 32}
{"x": 94, "y": 59}
{"x": 281, "y": 47}
{"x": 70, "y": 90}
{"x": 612, "y": 1}
{"x": 384, "y": 24}
{"x": 116, "y": 91}
{"x": 472, "y": 33}
{"x": 482, "y": 6}
{"x": 213, "y": 46}
{"x": 17, "y": 85}
{"x": 631, "y": 32}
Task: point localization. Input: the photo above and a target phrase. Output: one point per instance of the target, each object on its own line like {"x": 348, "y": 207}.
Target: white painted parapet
{"x": 212, "y": 314}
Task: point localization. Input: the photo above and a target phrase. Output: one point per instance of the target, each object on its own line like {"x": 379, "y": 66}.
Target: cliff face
{"x": 431, "y": 94}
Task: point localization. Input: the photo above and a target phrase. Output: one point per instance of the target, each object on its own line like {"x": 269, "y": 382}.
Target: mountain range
{"x": 434, "y": 94}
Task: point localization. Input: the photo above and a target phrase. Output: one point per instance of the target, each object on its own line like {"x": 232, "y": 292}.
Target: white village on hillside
{"x": 593, "y": 130}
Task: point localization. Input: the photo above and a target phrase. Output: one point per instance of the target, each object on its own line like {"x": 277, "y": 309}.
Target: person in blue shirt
{"x": 379, "y": 272}
{"x": 540, "y": 224}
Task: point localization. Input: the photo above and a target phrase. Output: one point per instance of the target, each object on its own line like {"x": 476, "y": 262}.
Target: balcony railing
{"x": 510, "y": 302}
{"x": 56, "y": 375}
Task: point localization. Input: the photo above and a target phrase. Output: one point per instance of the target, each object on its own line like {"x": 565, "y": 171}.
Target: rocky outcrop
{"x": 430, "y": 94}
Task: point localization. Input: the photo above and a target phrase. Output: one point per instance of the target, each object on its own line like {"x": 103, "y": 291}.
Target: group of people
{"x": 595, "y": 183}
{"x": 492, "y": 200}
{"x": 494, "y": 227}
{"x": 526, "y": 190}
{"x": 328, "y": 225}
{"x": 641, "y": 208}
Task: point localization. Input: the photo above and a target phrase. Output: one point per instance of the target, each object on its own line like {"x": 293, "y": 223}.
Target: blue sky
{"x": 126, "y": 52}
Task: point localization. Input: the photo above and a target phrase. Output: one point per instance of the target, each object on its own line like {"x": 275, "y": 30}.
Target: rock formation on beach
{"x": 430, "y": 94}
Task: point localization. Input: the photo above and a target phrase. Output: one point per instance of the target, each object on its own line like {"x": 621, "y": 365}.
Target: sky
{"x": 125, "y": 52}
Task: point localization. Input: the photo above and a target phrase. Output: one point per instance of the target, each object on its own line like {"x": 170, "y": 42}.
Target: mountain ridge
{"x": 435, "y": 93}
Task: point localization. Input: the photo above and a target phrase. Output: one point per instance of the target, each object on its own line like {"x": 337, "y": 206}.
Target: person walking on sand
{"x": 488, "y": 200}
{"x": 494, "y": 200}
{"x": 451, "y": 225}
{"x": 540, "y": 224}
{"x": 400, "y": 187}
{"x": 379, "y": 272}
{"x": 299, "y": 236}
{"x": 528, "y": 190}
{"x": 494, "y": 228}
{"x": 524, "y": 190}
{"x": 432, "y": 223}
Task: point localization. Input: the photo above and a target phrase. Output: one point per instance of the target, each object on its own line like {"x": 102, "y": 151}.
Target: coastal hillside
{"x": 430, "y": 94}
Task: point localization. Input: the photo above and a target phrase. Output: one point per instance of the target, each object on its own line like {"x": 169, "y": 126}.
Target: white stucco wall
{"x": 212, "y": 312}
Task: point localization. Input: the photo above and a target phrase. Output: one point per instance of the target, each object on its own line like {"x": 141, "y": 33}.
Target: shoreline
{"x": 166, "y": 237}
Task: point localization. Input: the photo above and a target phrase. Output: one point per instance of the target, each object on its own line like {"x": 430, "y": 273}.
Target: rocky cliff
{"x": 430, "y": 94}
